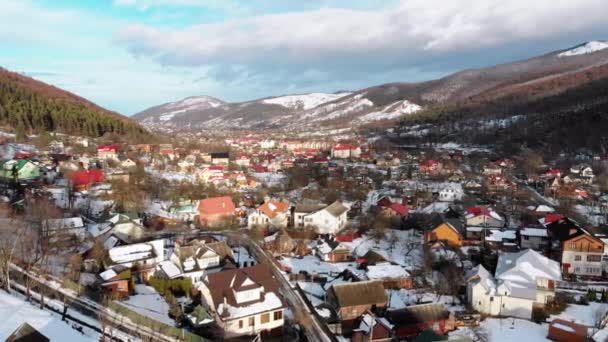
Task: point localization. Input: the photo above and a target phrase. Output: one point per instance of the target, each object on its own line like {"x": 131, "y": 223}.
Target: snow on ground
{"x": 589, "y": 47}
{"x": 17, "y": 311}
{"x": 149, "y": 303}
{"x": 506, "y": 330}
{"x": 399, "y": 246}
{"x": 392, "y": 111}
{"x": 312, "y": 264}
{"x": 583, "y": 314}
{"x": 402, "y": 298}
{"x": 304, "y": 101}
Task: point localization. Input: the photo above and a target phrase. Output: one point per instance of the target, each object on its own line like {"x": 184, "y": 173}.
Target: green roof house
{"x": 20, "y": 170}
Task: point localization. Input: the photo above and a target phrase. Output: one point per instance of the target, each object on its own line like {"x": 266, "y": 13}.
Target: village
{"x": 327, "y": 238}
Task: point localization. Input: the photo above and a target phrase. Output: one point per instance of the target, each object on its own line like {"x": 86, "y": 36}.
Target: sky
{"x": 128, "y": 55}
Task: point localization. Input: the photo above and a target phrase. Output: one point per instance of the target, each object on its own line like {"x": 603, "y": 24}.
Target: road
{"x": 314, "y": 329}
{"x": 94, "y": 309}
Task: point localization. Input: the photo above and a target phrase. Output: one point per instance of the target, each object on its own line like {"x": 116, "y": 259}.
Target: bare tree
{"x": 11, "y": 232}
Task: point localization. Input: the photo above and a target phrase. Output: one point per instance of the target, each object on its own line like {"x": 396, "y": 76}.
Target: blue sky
{"x": 127, "y": 55}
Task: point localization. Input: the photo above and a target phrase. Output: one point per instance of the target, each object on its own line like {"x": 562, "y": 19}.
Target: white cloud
{"x": 410, "y": 29}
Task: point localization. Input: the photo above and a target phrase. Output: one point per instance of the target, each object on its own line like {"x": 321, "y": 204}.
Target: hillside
{"x": 572, "y": 119}
{"x": 386, "y": 104}
{"x": 32, "y": 106}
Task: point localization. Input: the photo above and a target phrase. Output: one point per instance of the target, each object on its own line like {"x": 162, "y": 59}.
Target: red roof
{"x": 342, "y": 147}
{"x": 479, "y": 211}
{"x": 554, "y": 172}
{"x": 550, "y": 218}
{"x": 399, "y": 208}
{"x": 87, "y": 177}
{"x": 216, "y": 206}
{"x": 107, "y": 148}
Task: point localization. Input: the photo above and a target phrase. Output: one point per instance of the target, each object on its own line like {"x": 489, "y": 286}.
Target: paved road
{"x": 314, "y": 329}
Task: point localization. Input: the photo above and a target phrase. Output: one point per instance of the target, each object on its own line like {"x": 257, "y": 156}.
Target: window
{"x": 240, "y": 323}
{"x": 526, "y": 238}
{"x": 251, "y": 321}
{"x": 572, "y": 246}
{"x": 265, "y": 318}
{"x": 278, "y": 315}
{"x": 577, "y": 258}
{"x": 595, "y": 258}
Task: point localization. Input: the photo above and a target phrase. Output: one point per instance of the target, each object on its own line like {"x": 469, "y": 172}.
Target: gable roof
{"x": 27, "y": 333}
{"x": 359, "y": 293}
{"x": 221, "y": 284}
{"x": 526, "y": 266}
{"x": 273, "y": 208}
{"x": 84, "y": 177}
{"x": 336, "y": 209}
{"x": 216, "y": 206}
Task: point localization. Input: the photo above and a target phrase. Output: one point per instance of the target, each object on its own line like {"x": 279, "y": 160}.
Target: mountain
{"x": 209, "y": 112}
{"x": 543, "y": 76}
{"x": 32, "y": 106}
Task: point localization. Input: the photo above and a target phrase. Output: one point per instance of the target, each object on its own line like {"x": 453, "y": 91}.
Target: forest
{"x": 32, "y": 107}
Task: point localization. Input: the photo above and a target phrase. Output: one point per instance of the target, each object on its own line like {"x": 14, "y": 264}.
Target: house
{"x": 428, "y": 166}
{"x": 484, "y": 217}
{"x": 146, "y": 254}
{"x": 220, "y": 158}
{"x": 242, "y": 160}
{"x": 197, "y": 256}
{"x": 522, "y": 281}
{"x": 391, "y": 276}
{"x": 392, "y": 210}
{"x": 115, "y": 281}
{"x": 64, "y": 227}
{"x": 351, "y": 300}
{"x": 332, "y": 250}
{"x": 451, "y": 193}
{"x": 107, "y": 151}
{"x": 216, "y": 211}
{"x": 582, "y": 255}
{"x": 582, "y": 171}
{"x": 270, "y": 214}
{"x": 564, "y": 331}
{"x": 372, "y": 329}
{"x": 83, "y": 179}
{"x": 244, "y": 301}
{"x": 492, "y": 169}
{"x": 414, "y": 319}
{"x": 344, "y": 151}
{"x": 26, "y": 333}
{"x": 20, "y": 170}
{"x": 325, "y": 219}
{"x": 448, "y": 230}
{"x": 534, "y": 237}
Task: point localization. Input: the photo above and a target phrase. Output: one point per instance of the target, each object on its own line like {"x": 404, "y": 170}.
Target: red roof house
{"x": 215, "y": 211}
{"x": 83, "y": 179}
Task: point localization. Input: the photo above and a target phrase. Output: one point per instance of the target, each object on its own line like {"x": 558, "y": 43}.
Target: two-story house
{"x": 270, "y": 214}
{"x": 324, "y": 219}
{"x": 244, "y": 301}
{"x": 582, "y": 255}
{"x": 522, "y": 281}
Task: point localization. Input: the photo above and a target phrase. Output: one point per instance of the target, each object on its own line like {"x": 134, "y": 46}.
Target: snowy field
{"x": 16, "y": 311}
{"x": 506, "y": 330}
{"x": 312, "y": 264}
{"x": 401, "y": 247}
{"x": 583, "y": 314}
{"x": 149, "y": 303}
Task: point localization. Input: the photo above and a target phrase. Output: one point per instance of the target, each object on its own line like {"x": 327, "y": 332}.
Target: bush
{"x": 165, "y": 287}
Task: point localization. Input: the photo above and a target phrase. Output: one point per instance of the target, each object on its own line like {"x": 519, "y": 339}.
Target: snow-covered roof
{"x": 500, "y": 235}
{"x": 64, "y": 223}
{"x": 528, "y": 231}
{"x": 386, "y": 271}
{"x": 170, "y": 269}
{"x": 108, "y": 274}
{"x": 271, "y": 302}
{"x": 526, "y": 266}
{"x": 130, "y": 253}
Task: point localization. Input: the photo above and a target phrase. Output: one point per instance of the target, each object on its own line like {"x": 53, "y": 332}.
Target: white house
{"x": 522, "y": 281}
{"x": 451, "y": 193}
{"x": 325, "y": 219}
{"x": 270, "y": 214}
{"x": 145, "y": 254}
{"x": 244, "y": 301}
{"x": 194, "y": 259}
{"x": 345, "y": 151}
